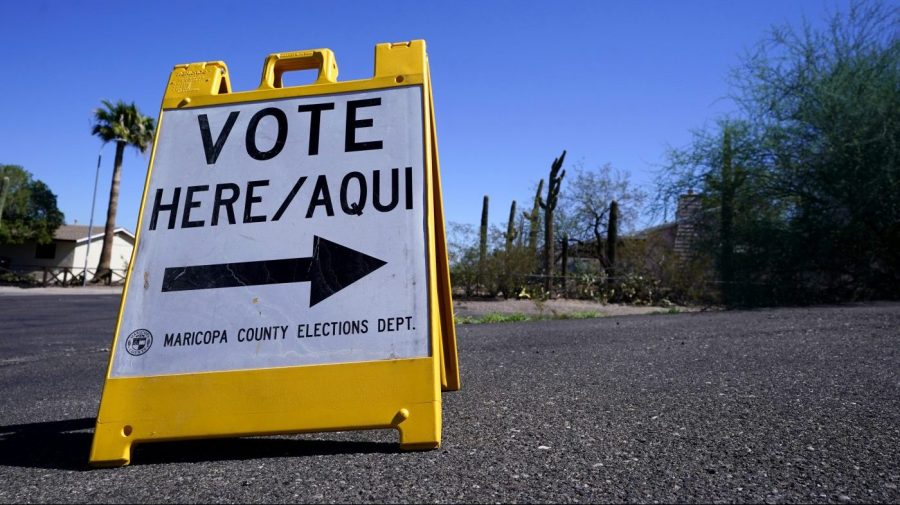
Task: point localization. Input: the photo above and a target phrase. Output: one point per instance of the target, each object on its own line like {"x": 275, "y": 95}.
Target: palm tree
{"x": 125, "y": 125}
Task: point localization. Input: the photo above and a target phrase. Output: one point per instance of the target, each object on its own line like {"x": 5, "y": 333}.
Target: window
{"x": 45, "y": 251}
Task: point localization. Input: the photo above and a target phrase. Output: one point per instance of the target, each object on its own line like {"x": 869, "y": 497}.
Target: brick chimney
{"x": 686, "y": 214}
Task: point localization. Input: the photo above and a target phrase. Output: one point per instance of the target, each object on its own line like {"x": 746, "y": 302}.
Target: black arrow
{"x": 331, "y": 268}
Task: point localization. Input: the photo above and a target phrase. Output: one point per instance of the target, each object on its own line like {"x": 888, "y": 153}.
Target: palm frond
{"x": 123, "y": 122}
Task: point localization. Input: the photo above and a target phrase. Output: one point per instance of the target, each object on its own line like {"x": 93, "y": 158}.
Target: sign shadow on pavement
{"x": 60, "y": 445}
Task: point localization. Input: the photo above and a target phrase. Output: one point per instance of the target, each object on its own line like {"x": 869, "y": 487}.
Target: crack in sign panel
{"x": 235, "y": 275}
{"x": 180, "y": 273}
{"x": 315, "y": 254}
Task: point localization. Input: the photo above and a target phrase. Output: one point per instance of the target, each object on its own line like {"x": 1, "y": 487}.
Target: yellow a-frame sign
{"x": 290, "y": 271}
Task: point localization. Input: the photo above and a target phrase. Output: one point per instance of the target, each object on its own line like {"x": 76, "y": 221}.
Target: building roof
{"x": 79, "y": 233}
{"x": 653, "y": 229}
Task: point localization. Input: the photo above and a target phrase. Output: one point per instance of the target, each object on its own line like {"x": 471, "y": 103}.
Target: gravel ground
{"x": 770, "y": 406}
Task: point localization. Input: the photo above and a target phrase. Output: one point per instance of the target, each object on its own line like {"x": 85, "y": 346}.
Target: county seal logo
{"x": 139, "y": 342}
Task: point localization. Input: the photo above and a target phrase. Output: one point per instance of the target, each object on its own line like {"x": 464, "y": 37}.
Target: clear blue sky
{"x": 515, "y": 83}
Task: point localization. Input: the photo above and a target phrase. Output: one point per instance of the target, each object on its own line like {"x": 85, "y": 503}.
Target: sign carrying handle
{"x": 311, "y": 59}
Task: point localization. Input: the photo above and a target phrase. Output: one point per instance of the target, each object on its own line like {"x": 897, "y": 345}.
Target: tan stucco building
{"x": 67, "y": 251}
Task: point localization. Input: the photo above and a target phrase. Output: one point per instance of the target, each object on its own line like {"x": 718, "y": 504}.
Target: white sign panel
{"x": 281, "y": 233}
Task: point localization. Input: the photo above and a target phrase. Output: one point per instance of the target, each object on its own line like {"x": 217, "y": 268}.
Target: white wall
{"x": 121, "y": 254}
{"x": 71, "y": 255}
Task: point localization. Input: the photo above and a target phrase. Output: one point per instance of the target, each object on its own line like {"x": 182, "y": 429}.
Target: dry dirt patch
{"x": 551, "y": 308}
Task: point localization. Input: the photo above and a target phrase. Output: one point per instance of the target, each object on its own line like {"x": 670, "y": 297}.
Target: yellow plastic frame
{"x": 403, "y": 394}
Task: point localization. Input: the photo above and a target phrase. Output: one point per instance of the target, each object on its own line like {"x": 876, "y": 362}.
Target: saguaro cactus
{"x": 482, "y": 243}
{"x": 533, "y": 218}
{"x": 4, "y": 187}
{"x": 730, "y": 181}
{"x": 511, "y": 228}
{"x": 511, "y": 234}
{"x": 520, "y": 231}
{"x": 549, "y": 205}
{"x": 612, "y": 238}
{"x": 565, "y": 260}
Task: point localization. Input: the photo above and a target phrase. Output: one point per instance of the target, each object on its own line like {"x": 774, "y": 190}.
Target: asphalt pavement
{"x": 786, "y": 405}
